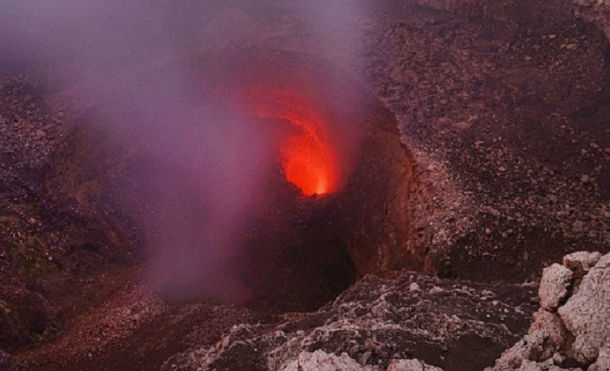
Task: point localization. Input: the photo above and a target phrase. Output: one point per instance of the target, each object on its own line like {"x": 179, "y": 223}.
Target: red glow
{"x": 307, "y": 162}
{"x": 308, "y": 158}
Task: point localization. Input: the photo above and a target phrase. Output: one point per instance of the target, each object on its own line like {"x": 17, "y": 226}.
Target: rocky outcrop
{"x": 577, "y": 334}
{"x": 580, "y": 262}
{"x": 554, "y": 285}
{"x": 320, "y": 360}
{"x": 411, "y": 321}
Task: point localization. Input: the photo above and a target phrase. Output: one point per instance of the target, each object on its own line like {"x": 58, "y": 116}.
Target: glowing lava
{"x": 307, "y": 157}
{"x": 307, "y": 162}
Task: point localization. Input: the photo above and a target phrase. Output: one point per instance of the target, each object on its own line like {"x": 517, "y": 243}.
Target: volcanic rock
{"x": 576, "y": 336}
{"x": 595, "y": 11}
{"x": 378, "y": 323}
{"x": 603, "y": 359}
{"x": 539, "y": 91}
{"x": 581, "y": 261}
{"x": 586, "y": 314}
{"x": 320, "y": 360}
{"x": 554, "y": 286}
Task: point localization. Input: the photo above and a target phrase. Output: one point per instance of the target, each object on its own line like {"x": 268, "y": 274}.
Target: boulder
{"x": 553, "y": 330}
{"x": 581, "y": 261}
{"x": 577, "y": 335}
{"x": 554, "y": 286}
{"x": 587, "y": 314}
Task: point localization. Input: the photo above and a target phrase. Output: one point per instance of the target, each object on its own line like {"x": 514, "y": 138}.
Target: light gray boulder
{"x": 587, "y": 313}
{"x": 577, "y": 334}
{"x": 554, "y": 285}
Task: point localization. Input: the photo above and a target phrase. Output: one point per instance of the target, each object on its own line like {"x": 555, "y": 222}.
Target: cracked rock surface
{"x": 578, "y": 335}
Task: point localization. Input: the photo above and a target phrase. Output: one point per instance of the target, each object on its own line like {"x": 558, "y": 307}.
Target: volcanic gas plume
{"x": 196, "y": 159}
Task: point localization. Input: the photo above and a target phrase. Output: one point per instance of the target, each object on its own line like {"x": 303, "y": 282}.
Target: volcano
{"x": 282, "y": 185}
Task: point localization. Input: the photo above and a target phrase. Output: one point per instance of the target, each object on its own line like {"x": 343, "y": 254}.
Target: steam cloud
{"x": 205, "y": 165}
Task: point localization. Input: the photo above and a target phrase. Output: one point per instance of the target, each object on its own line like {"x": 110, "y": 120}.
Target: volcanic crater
{"x": 360, "y": 223}
{"x": 279, "y": 185}
{"x": 336, "y": 203}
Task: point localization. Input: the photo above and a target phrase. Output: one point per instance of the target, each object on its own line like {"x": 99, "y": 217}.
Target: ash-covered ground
{"x": 505, "y": 109}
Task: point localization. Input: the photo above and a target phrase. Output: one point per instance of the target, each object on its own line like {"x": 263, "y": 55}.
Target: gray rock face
{"x": 380, "y": 324}
{"x": 554, "y": 285}
{"x": 579, "y": 332}
{"x": 587, "y": 313}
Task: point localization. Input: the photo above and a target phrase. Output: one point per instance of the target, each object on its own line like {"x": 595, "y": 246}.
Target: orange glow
{"x": 307, "y": 158}
{"x": 307, "y": 163}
